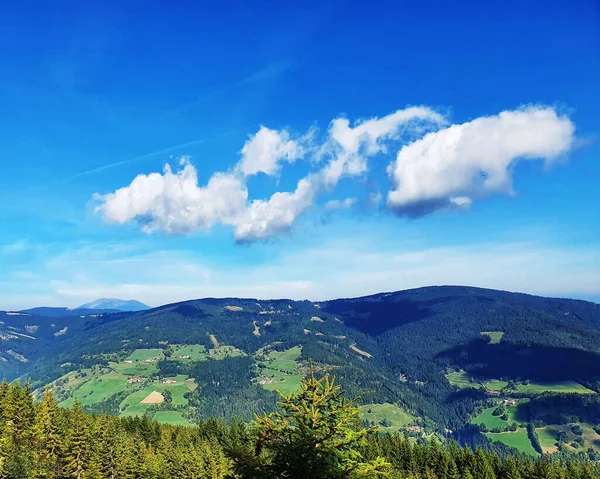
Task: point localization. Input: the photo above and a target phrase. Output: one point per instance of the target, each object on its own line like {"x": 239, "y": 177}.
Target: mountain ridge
{"x": 408, "y": 349}
{"x": 115, "y": 304}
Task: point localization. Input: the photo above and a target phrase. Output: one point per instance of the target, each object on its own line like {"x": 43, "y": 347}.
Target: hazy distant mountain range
{"x": 115, "y": 304}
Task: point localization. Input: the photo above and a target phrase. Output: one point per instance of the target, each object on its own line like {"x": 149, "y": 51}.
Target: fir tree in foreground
{"x": 316, "y": 434}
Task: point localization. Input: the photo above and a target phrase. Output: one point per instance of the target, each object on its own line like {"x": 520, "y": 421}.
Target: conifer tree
{"x": 150, "y": 463}
{"x": 16, "y": 436}
{"x": 77, "y": 444}
{"x": 316, "y": 434}
{"x": 48, "y": 437}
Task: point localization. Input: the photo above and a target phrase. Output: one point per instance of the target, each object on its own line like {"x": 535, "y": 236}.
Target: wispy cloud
{"x": 339, "y": 267}
{"x": 270, "y": 71}
{"x": 340, "y": 204}
{"x": 153, "y": 154}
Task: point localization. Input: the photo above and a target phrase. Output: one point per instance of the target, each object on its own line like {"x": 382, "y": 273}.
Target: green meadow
{"x": 143, "y": 354}
{"x": 518, "y": 439}
{"x": 556, "y": 387}
{"x": 462, "y": 379}
{"x": 495, "y": 336}
{"x": 171, "y": 417}
{"x": 279, "y": 370}
{"x": 188, "y": 353}
{"x": 395, "y": 416}
{"x": 97, "y": 388}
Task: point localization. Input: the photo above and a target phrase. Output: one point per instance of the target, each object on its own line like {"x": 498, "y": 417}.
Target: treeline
{"x": 44, "y": 441}
{"x": 315, "y": 434}
{"x": 565, "y": 408}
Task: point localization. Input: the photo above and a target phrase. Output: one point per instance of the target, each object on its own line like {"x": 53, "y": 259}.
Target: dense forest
{"x": 390, "y": 348}
{"x": 314, "y": 433}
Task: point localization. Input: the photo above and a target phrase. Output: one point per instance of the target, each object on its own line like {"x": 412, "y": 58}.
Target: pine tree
{"x": 48, "y": 437}
{"x": 317, "y": 434}
{"x": 452, "y": 472}
{"x": 107, "y": 446}
{"x": 17, "y": 438}
{"x": 150, "y": 463}
{"x": 483, "y": 469}
{"x": 510, "y": 469}
{"x": 3, "y": 392}
{"x": 77, "y": 444}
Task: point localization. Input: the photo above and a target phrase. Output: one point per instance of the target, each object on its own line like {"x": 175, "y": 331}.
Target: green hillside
{"x": 445, "y": 356}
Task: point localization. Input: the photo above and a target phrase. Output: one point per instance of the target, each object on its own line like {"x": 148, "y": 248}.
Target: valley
{"x": 451, "y": 362}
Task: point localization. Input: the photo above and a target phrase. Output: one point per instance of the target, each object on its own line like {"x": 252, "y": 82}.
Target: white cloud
{"x": 375, "y": 198}
{"x": 350, "y": 147}
{"x": 340, "y": 204}
{"x": 453, "y": 166}
{"x": 267, "y": 149}
{"x": 445, "y": 169}
{"x": 348, "y": 150}
{"x": 265, "y": 218}
{"x": 174, "y": 203}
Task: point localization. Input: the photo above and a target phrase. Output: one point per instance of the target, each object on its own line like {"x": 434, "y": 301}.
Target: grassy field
{"x": 394, "y": 415}
{"x": 557, "y": 387}
{"x": 279, "y": 370}
{"x": 495, "y": 336}
{"x": 461, "y": 379}
{"x": 223, "y": 352}
{"x": 65, "y": 385}
{"x": 130, "y": 406}
{"x": 274, "y": 380}
{"x": 490, "y": 421}
{"x": 592, "y": 438}
{"x": 178, "y": 389}
{"x": 549, "y": 436}
{"x": 195, "y": 352}
{"x": 285, "y": 361}
{"x": 137, "y": 369}
{"x": 97, "y": 388}
{"x": 495, "y": 385}
{"x": 143, "y": 354}
{"x": 515, "y": 414}
{"x": 518, "y": 439}
{"x": 171, "y": 417}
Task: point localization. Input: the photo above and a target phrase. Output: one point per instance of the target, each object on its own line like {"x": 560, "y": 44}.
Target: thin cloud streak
{"x": 157, "y": 153}
{"x": 339, "y": 268}
{"x": 270, "y": 71}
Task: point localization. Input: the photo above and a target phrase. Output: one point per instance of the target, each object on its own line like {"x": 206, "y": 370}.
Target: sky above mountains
{"x": 328, "y": 149}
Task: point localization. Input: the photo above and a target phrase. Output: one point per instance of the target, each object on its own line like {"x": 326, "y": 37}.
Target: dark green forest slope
{"x": 434, "y": 360}
{"x": 314, "y": 435}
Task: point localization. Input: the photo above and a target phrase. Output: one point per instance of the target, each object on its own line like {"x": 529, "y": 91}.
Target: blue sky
{"x": 166, "y": 152}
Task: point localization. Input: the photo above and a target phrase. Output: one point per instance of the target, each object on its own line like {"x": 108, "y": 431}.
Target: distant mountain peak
{"x": 115, "y": 303}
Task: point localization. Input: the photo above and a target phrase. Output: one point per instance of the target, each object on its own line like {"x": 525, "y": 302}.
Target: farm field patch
{"x": 556, "y": 387}
{"x": 518, "y": 439}
{"x": 495, "y": 336}
{"x": 393, "y": 416}
{"x": 171, "y": 417}
{"x": 97, "y": 388}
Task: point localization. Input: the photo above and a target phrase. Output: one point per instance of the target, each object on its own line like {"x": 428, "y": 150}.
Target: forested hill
{"x": 427, "y": 357}
{"x": 315, "y": 435}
